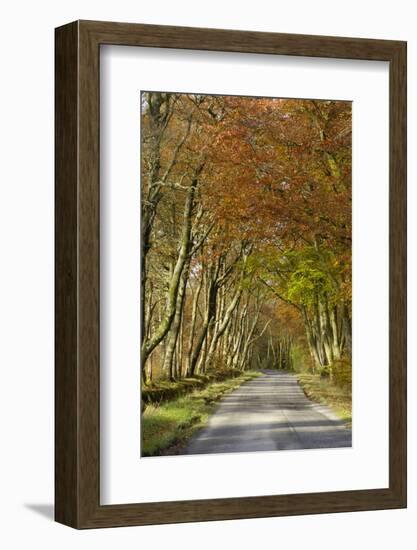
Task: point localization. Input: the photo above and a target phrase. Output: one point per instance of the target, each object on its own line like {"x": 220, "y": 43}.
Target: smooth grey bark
{"x": 150, "y": 344}
{"x": 208, "y": 319}
{"x": 222, "y": 325}
{"x": 159, "y": 112}
{"x": 193, "y": 322}
{"x": 173, "y": 332}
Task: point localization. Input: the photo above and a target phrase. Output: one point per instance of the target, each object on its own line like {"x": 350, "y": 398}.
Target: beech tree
{"x": 246, "y": 233}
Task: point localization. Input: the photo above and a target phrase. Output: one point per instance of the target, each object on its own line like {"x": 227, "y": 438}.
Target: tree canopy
{"x": 246, "y": 233}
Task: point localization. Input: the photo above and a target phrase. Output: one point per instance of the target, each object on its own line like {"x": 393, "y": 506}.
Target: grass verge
{"x": 165, "y": 390}
{"x": 322, "y": 390}
{"x": 167, "y": 427}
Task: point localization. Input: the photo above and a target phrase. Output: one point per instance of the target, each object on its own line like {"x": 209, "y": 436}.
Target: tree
{"x": 246, "y": 232}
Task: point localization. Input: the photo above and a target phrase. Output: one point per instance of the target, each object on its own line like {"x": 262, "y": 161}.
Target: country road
{"x": 266, "y": 414}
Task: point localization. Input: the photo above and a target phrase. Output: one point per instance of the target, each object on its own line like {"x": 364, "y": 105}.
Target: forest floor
{"x": 169, "y": 425}
{"x": 324, "y": 391}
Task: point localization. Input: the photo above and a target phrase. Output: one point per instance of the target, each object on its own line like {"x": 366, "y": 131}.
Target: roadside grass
{"x": 161, "y": 390}
{"x": 323, "y": 390}
{"x": 167, "y": 427}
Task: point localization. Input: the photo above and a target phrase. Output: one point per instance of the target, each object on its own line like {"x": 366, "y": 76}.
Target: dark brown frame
{"x": 77, "y": 472}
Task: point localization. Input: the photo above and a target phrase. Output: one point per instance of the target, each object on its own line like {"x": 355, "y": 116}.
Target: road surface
{"x": 269, "y": 413}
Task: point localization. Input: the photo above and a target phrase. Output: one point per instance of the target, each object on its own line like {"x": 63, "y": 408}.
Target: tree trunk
{"x": 172, "y": 337}
{"x": 150, "y": 344}
{"x": 222, "y": 325}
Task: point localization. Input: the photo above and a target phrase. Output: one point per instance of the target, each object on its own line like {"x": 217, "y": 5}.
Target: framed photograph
{"x": 230, "y": 274}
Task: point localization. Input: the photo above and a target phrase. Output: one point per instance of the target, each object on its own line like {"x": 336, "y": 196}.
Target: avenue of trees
{"x": 246, "y": 233}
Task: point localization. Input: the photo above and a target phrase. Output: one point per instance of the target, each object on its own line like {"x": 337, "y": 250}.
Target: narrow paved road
{"x": 266, "y": 414}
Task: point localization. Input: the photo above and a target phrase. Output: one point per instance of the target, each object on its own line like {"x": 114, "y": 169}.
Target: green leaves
{"x": 308, "y": 284}
{"x": 302, "y": 276}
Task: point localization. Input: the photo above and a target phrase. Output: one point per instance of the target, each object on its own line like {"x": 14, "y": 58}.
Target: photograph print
{"x": 246, "y": 274}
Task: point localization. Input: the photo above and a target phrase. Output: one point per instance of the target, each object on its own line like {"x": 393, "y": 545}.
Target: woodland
{"x": 246, "y": 235}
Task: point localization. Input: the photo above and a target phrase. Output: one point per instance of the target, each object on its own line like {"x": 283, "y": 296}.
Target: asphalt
{"x": 269, "y": 413}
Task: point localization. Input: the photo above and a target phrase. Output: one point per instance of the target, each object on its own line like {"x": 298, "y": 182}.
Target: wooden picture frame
{"x": 77, "y": 405}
